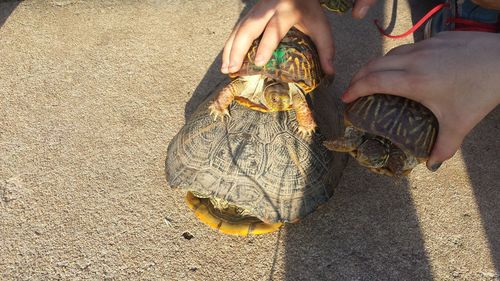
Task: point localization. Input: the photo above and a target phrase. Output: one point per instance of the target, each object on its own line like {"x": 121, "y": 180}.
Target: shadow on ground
{"x": 6, "y": 8}
{"x": 369, "y": 230}
{"x": 480, "y": 151}
{"x": 213, "y": 78}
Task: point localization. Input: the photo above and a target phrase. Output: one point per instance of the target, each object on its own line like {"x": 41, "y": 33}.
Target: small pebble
{"x": 168, "y": 222}
{"x": 187, "y": 235}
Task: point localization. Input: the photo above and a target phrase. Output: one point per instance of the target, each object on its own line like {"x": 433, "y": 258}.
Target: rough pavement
{"x": 91, "y": 92}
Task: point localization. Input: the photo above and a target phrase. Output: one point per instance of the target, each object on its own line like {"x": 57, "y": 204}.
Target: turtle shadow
{"x": 6, "y": 9}
{"x": 213, "y": 78}
{"x": 480, "y": 152}
{"x": 369, "y": 230}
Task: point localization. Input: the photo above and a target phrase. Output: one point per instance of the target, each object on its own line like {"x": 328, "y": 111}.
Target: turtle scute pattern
{"x": 255, "y": 161}
{"x": 339, "y": 6}
{"x": 406, "y": 123}
{"x": 295, "y": 60}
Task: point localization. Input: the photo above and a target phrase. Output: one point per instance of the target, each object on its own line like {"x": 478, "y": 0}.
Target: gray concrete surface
{"x": 91, "y": 92}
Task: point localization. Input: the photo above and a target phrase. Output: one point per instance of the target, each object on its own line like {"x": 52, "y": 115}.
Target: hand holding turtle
{"x": 454, "y": 74}
{"x": 274, "y": 18}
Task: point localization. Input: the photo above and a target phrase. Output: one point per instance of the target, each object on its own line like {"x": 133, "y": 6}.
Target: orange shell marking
{"x": 242, "y": 227}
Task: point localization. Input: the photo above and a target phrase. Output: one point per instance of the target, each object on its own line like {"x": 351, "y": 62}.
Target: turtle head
{"x": 373, "y": 153}
{"x": 349, "y": 142}
{"x": 277, "y": 95}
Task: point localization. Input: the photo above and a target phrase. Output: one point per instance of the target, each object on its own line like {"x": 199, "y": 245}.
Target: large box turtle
{"x": 250, "y": 173}
{"x": 253, "y": 172}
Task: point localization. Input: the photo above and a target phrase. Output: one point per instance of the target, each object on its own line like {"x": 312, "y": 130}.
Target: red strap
{"x": 470, "y": 25}
{"x": 416, "y": 26}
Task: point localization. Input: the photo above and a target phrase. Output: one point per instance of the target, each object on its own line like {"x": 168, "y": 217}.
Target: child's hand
{"x": 274, "y": 18}
{"x": 454, "y": 74}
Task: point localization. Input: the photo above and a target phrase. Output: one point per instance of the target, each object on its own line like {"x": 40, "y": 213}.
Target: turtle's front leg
{"x": 219, "y": 106}
{"x": 349, "y": 142}
{"x": 304, "y": 115}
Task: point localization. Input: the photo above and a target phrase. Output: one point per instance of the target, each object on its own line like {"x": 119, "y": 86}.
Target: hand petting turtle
{"x": 272, "y": 19}
{"x": 280, "y": 85}
{"x": 454, "y": 74}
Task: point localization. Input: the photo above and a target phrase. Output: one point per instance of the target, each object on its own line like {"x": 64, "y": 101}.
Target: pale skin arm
{"x": 273, "y": 19}
{"x": 455, "y": 74}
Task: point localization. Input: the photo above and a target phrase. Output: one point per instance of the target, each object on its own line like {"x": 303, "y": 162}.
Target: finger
{"x": 229, "y": 43}
{"x": 276, "y": 29}
{"x": 385, "y": 63}
{"x": 249, "y": 30}
{"x": 393, "y": 82}
{"x": 361, "y": 8}
{"x": 321, "y": 35}
{"x": 227, "y": 50}
{"x": 447, "y": 144}
{"x": 402, "y": 49}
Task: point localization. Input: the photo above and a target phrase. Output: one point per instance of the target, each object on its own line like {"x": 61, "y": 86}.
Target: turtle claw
{"x": 305, "y": 132}
{"x": 218, "y": 113}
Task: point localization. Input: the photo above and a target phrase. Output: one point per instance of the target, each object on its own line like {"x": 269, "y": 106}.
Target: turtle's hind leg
{"x": 219, "y": 106}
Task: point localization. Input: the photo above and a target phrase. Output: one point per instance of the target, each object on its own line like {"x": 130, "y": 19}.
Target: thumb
{"x": 319, "y": 30}
{"x": 447, "y": 143}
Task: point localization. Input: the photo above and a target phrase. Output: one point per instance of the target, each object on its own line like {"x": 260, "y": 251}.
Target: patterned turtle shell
{"x": 295, "y": 60}
{"x": 255, "y": 161}
{"x": 406, "y": 123}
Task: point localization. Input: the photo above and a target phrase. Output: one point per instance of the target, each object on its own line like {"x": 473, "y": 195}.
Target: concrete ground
{"x": 91, "y": 93}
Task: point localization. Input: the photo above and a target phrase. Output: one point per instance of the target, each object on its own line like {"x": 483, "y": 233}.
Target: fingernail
{"x": 223, "y": 68}
{"x": 435, "y": 166}
{"x": 343, "y": 97}
{"x": 259, "y": 61}
{"x": 233, "y": 68}
{"x": 363, "y": 11}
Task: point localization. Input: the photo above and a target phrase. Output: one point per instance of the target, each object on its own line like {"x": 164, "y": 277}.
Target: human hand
{"x": 454, "y": 74}
{"x": 273, "y": 19}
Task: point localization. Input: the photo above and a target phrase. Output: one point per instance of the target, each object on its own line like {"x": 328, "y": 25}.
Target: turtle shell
{"x": 339, "y": 6}
{"x": 256, "y": 161}
{"x": 406, "y": 123}
{"x": 295, "y": 60}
